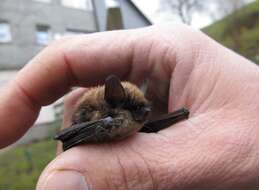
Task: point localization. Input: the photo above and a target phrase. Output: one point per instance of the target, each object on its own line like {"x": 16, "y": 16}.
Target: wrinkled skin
{"x": 216, "y": 148}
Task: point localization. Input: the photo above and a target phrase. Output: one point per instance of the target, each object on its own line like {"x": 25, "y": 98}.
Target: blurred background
{"x": 27, "y": 26}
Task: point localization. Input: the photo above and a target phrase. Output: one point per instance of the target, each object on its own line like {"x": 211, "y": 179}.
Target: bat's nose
{"x": 146, "y": 111}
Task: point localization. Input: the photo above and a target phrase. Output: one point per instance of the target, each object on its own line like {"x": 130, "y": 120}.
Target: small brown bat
{"x": 113, "y": 112}
{"x": 107, "y": 113}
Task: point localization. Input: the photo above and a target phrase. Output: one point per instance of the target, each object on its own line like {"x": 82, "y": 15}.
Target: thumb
{"x": 66, "y": 180}
{"x": 119, "y": 165}
{"x": 103, "y": 166}
{"x": 64, "y": 172}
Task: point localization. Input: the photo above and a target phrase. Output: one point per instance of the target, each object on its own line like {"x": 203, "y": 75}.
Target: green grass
{"x": 239, "y": 31}
{"x": 20, "y": 167}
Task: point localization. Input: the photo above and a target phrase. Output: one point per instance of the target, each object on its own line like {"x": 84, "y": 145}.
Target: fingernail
{"x": 65, "y": 180}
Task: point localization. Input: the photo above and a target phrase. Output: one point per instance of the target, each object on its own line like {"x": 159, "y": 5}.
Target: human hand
{"x": 216, "y": 148}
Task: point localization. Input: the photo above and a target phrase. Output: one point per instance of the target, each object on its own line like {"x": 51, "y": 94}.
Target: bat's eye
{"x": 90, "y": 109}
{"x": 80, "y": 116}
{"x": 141, "y": 112}
{"x": 138, "y": 107}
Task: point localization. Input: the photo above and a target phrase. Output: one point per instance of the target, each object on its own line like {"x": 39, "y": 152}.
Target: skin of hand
{"x": 216, "y": 148}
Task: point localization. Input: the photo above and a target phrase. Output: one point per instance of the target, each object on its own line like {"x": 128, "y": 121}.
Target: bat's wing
{"x": 85, "y": 132}
{"x": 75, "y": 129}
{"x": 165, "y": 121}
{"x": 100, "y": 130}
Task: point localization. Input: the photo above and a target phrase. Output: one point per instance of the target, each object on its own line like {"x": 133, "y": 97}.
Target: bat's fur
{"x": 92, "y": 105}
{"x": 112, "y": 112}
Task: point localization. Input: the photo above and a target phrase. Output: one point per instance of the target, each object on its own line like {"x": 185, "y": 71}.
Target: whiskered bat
{"x": 113, "y": 112}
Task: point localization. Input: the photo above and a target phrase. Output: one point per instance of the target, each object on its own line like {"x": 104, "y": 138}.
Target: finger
{"x": 77, "y": 61}
{"x": 51, "y": 74}
{"x": 86, "y": 60}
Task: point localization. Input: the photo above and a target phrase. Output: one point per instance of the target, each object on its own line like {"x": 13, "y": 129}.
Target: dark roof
{"x": 140, "y": 12}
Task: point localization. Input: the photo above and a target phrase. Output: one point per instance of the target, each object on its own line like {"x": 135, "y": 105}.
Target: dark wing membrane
{"x": 88, "y": 132}
{"x": 75, "y": 130}
{"x": 85, "y": 134}
{"x": 101, "y": 132}
{"x": 165, "y": 121}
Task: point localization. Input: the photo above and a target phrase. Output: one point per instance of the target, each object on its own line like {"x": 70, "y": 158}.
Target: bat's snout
{"x": 146, "y": 111}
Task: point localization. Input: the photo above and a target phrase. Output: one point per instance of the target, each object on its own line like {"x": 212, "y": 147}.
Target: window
{"x": 112, "y": 3}
{"x": 5, "y": 32}
{"x": 78, "y": 4}
{"x": 43, "y": 35}
{"x": 44, "y": 1}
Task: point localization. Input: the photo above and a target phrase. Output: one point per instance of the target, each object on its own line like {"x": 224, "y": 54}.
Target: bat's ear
{"x": 114, "y": 91}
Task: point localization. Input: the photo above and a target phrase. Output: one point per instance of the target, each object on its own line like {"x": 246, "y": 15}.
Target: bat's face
{"x": 117, "y": 100}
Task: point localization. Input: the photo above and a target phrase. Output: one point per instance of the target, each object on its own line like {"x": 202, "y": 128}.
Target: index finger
{"x": 83, "y": 60}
